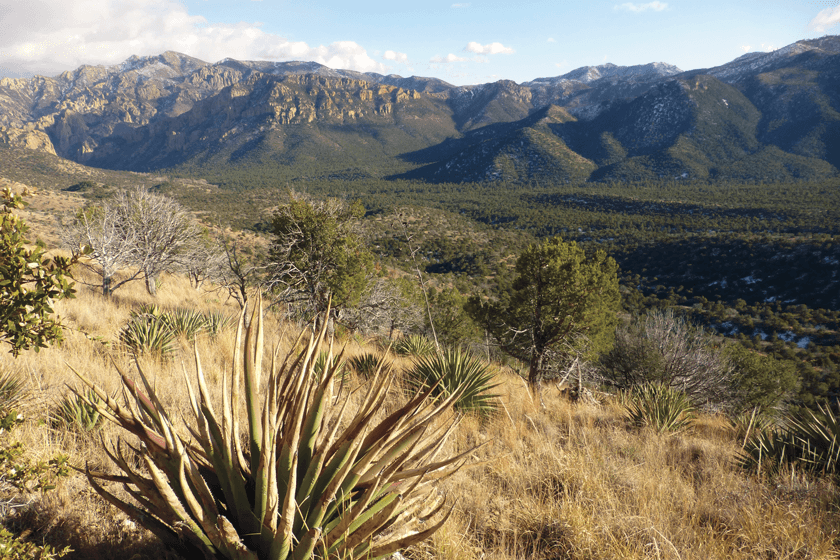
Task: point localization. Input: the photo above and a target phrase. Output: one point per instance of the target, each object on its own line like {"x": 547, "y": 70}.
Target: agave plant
{"x": 313, "y": 479}
{"x": 414, "y": 345}
{"x": 148, "y": 334}
{"x": 660, "y": 407}
{"x": 453, "y": 372}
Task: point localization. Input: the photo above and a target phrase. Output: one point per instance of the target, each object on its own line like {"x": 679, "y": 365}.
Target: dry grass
{"x": 561, "y": 481}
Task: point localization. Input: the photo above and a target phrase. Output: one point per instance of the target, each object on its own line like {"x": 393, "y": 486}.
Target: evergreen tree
{"x": 559, "y": 295}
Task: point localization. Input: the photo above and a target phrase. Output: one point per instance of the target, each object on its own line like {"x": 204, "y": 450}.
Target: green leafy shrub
{"x": 148, "y": 335}
{"x": 368, "y": 364}
{"x": 454, "y": 372}
{"x": 29, "y": 283}
{"x": 17, "y": 470}
{"x": 78, "y": 413}
{"x": 12, "y": 548}
{"x": 658, "y": 406}
{"x": 414, "y": 345}
{"x": 312, "y": 482}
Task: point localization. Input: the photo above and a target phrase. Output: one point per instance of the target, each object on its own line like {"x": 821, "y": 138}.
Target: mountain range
{"x": 763, "y": 116}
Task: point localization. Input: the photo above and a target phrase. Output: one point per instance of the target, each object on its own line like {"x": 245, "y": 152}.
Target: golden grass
{"x": 565, "y": 480}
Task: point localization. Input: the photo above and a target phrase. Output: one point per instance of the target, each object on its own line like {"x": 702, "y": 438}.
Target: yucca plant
{"x": 660, "y": 407}
{"x": 74, "y": 412}
{"x": 368, "y": 364}
{"x": 454, "y": 372}
{"x": 313, "y": 480}
{"x": 185, "y": 322}
{"x": 12, "y": 392}
{"x": 809, "y": 439}
{"x": 414, "y": 345}
{"x": 215, "y": 322}
{"x": 148, "y": 334}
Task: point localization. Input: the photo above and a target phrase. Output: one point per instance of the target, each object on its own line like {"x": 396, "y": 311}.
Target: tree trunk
{"x": 535, "y": 373}
{"x": 106, "y": 285}
{"x": 151, "y": 285}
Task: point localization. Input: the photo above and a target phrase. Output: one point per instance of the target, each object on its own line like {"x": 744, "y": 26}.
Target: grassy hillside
{"x": 557, "y": 479}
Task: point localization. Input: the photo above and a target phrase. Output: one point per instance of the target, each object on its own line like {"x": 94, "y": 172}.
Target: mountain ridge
{"x": 167, "y": 110}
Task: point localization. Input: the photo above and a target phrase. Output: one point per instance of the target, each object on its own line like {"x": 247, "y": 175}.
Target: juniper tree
{"x": 559, "y": 294}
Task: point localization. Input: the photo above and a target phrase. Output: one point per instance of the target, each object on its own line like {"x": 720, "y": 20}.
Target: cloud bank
{"x": 437, "y": 59}
{"x": 50, "y": 36}
{"x": 491, "y": 48}
{"x": 825, "y": 20}
{"x": 650, "y": 6}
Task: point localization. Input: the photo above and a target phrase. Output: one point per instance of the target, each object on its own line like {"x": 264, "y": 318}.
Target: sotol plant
{"x": 313, "y": 481}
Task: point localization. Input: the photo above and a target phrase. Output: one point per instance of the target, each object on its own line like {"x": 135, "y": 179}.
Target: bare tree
{"x": 239, "y": 274}
{"x": 664, "y": 348}
{"x": 384, "y": 307}
{"x": 163, "y": 231}
{"x": 99, "y": 239}
{"x": 146, "y": 232}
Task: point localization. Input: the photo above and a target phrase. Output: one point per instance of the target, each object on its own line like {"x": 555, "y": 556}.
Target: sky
{"x": 462, "y": 42}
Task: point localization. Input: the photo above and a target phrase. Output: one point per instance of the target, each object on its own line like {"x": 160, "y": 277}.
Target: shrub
{"x": 660, "y": 407}
{"x": 12, "y": 548}
{"x": 661, "y": 348}
{"x": 311, "y": 481}
{"x": 454, "y": 372}
{"x": 215, "y": 322}
{"x": 148, "y": 334}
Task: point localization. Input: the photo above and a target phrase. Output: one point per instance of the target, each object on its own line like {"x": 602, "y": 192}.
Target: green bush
{"x": 759, "y": 381}
{"x": 658, "y": 406}
{"x": 12, "y": 548}
{"x": 454, "y": 372}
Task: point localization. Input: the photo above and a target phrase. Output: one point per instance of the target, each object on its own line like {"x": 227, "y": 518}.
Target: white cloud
{"x": 825, "y": 20}
{"x": 631, "y": 7}
{"x": 456, "y": 6}
{"x": 561, "y": 64}
{"x": 402, "y": 58}
{"x": 49, "y": 36}
{"x": 551, "y": 40}
{"x": 746, "y": 48}
{"x": 437, "y": 59}
{"x": 491, "y": 48}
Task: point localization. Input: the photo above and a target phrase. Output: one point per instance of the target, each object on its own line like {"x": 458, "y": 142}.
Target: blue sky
{"x": 462, "y": 42}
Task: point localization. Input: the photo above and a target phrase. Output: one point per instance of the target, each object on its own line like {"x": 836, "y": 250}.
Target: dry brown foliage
{"x": 563, "y": 480}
